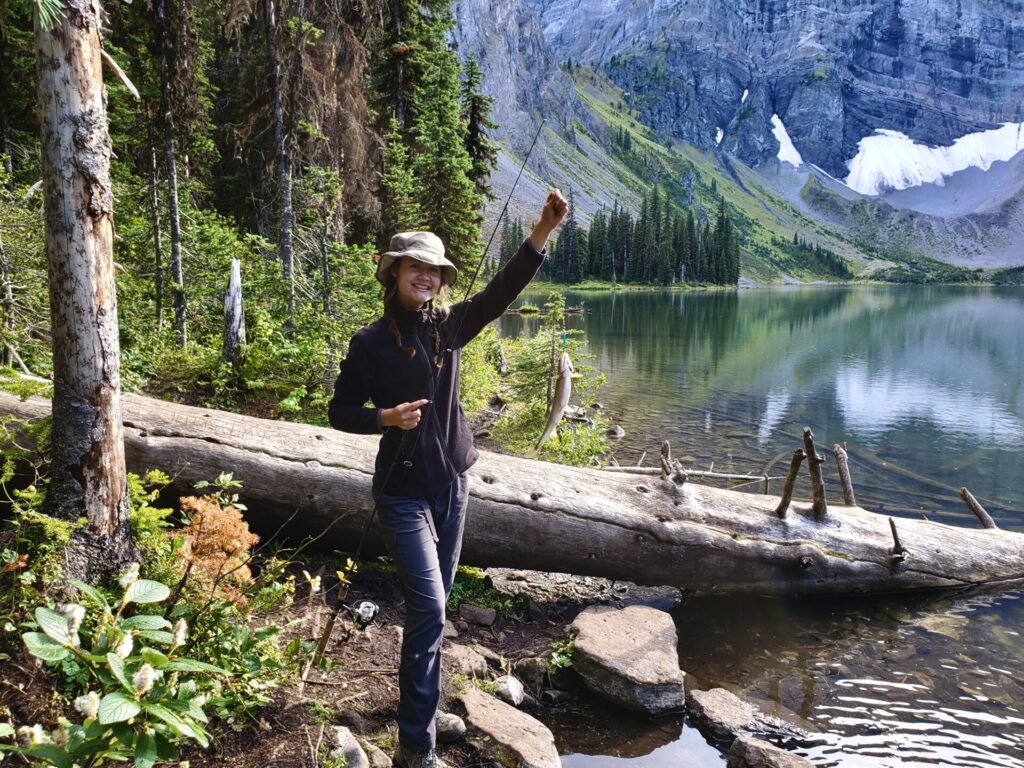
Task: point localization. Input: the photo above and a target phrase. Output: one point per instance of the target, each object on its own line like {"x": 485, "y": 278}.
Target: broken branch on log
{"x": 787, "y": 489}
{"x": 814, "y": 462}
{"x": 843, "y": 465}
{"x": 979, "y": 511}
{"x": 899, "y": 554}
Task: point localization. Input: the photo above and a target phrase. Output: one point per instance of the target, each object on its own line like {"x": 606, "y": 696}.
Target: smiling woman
{"x": 407, "y": 364}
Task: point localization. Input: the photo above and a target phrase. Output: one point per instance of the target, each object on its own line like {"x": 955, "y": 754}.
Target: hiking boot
{"x": 449, "y": 727}
{"x": 412, "y": 758}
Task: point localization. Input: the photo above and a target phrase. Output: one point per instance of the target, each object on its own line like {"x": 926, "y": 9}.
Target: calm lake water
{"x": 925, "y": 385}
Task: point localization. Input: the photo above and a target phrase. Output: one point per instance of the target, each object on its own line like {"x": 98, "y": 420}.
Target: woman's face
{"x": 417, "y": 282}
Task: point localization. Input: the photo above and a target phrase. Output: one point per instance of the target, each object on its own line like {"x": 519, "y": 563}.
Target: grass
{"x": 472, "y": 586}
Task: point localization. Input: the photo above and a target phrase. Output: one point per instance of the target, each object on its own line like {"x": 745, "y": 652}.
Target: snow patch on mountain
{"x": 787, "y": 152}
{"x": 890, "y": 160}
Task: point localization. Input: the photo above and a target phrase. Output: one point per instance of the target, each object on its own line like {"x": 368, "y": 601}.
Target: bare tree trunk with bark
{"x": 88, "y": 477}
{"x": 8, "y": 305}
{"x": 177, "y": 270}
{"x": 158, "y": 253}
{"x": 5, "y": 126}
{"x": 284, "y": 169}
{"x": 234, "y": 318}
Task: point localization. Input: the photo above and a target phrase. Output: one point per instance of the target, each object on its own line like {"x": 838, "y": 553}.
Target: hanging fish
{"x": 563, "y": 391}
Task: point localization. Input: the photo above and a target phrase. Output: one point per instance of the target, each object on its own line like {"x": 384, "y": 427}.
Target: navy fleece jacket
{"x": 376, "y": 369}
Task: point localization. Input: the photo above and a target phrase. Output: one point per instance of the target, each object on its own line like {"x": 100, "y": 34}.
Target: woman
{"x": 407, "y": 364}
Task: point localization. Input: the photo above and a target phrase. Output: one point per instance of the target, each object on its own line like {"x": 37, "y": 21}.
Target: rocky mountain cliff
{"x": 834, "y": 71}
{"x": 726, "y": 84}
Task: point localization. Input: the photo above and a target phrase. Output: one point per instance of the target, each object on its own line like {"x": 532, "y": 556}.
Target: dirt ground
{"x": 358, "y": 687}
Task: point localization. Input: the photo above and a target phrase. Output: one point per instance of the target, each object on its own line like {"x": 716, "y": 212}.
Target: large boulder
{"x": 513, "y": 738}
{"x": 748, "y": 752}
{"x": 629, "y": 657}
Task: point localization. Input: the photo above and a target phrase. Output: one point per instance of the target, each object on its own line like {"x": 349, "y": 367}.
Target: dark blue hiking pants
{"x": 424, "y": 536}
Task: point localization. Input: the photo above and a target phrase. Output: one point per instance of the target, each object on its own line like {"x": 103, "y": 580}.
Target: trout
{"x": 563, "y": 391}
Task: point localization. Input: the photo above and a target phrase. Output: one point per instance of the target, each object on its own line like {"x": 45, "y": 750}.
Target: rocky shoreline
{"x": 504, "y": 675}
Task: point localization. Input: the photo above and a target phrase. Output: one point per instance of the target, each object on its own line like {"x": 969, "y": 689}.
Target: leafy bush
{"x": 142, "y": 696}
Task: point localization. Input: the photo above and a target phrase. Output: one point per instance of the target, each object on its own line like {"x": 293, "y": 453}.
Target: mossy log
{"x": 534, "y": 515}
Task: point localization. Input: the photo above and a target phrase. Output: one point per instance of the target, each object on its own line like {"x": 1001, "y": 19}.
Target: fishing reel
{"x": 364, "y": 613}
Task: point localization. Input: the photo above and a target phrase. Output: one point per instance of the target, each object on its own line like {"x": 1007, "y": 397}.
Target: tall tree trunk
{"x": 396, "y": 24}
{"x": 284, "y": 168}
{"x": 88, "y": 476}
{"x": 158, "y": 253}
{"x": 5, "y": 126}
{"x": 177, "y": 271}
{"x": 6, "y": 356}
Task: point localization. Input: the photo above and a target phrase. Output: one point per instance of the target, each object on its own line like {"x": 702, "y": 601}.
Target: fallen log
{"x": 534, "y": 515}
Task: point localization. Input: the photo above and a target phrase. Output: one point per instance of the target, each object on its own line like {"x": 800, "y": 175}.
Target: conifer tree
{"x": 400, "y": 211}
{"x": 476, "y": 114}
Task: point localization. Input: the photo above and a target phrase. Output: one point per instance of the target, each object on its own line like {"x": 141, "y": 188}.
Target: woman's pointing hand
{"x": 403, "y": 415}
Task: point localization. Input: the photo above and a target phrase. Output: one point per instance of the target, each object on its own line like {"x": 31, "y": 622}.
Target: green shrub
{"x": 532, "y": 362}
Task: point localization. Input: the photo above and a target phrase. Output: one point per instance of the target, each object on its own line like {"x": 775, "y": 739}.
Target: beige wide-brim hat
{"x": 422, "y": 246}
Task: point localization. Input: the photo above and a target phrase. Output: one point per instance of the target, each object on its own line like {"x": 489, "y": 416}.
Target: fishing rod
{"x": 366, "y": 611}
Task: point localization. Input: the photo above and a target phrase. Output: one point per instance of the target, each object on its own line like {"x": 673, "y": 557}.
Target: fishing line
{"x": 366, "y": 611}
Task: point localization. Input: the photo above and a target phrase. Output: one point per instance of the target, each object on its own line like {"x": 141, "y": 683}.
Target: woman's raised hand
{"x": 403, "y": 415}
{"x": 551, "y": 215}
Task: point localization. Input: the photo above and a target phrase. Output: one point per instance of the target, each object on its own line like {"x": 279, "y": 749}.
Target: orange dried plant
{"x": 218, "y": 543}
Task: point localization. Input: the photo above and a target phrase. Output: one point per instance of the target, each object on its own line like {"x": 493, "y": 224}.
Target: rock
{"x": 748, "y": 752}
{"x": 532, "y": 671}
{"x": 479, "y": 615}
{"x": 615, "y": 431}
{"x": 513, "y": 738}
{"x": 378, "y": 757}
{"x": 342, "y": 744}
{"x": 450, "y": 632}
{"x": 718, "y": 714}
{"x": 462, "y": 626}
{"x": 493, "y": 659}
{"x": 535, "y": 612}
{"x": 449, "y": 727}
{"x": 629, "y": 657}
{"x": 510, "y": 690}
{"x": 466, "y": 661}
{"x": 554, "y": 696}
{"x": 722, "y": 716}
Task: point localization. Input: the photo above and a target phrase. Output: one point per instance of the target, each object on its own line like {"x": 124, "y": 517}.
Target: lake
{"x": 925, "y": 386}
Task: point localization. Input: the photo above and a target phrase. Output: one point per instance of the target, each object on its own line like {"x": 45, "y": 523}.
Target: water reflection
{"x": 926, "y": 385}
{"x": 923, "y": 383}
{"x": 930, "y": 680}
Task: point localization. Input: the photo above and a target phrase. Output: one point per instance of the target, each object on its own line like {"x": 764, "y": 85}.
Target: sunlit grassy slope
{"x": 587, "y": 157}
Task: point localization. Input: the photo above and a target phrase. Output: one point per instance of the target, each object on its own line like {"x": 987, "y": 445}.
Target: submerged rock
{"x": 748, "y": 752}
{"x": 629, "y": 657}
{"x": 513, "y": 738}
